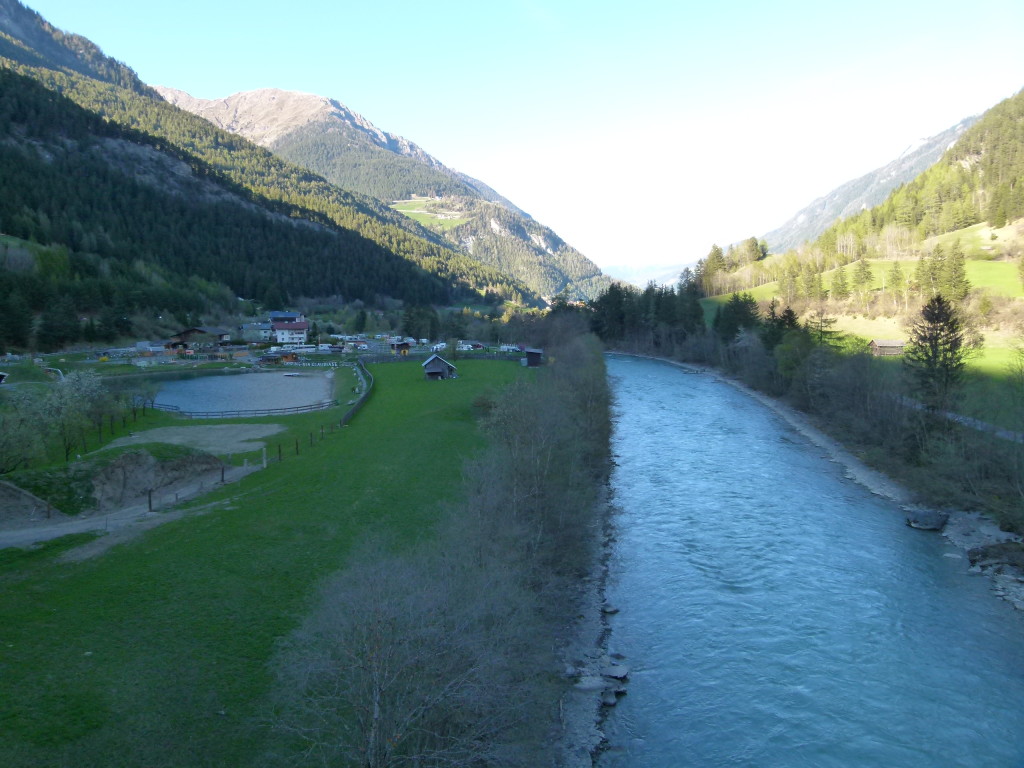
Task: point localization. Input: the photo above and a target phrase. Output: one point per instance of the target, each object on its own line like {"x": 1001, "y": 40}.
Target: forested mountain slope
{"x": 330, "y": 139}
{"x": 348, "y": 150}
{"x": 864, "y": 192}
{"x": 363, "y": 248}
{"x": 981, "y": 178}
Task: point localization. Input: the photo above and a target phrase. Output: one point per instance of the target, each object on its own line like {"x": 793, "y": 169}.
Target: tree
{"x": 820, "y": 328}
{"x": 862, "y": 277}
{"x": 936, "y": 355}
{"x": 739, "y": 312}
{"x": 840, "y": 285}
{"x": 953, "y": 283}
{"x": 897, "y": 283}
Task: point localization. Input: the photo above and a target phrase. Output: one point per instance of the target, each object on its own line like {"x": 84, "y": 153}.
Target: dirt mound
{"x": 131, "y": 476}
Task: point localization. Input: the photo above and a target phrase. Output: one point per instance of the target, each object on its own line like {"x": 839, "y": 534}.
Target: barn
{"x": 436, "y": 368}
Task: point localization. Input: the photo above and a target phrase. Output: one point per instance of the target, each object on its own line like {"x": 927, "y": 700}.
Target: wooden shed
{"x": 436, "y": 367}
{"x": 886, "y": 348}
{"x": 534, "y": 357}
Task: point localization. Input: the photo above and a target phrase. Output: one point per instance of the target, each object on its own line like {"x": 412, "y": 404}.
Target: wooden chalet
{"x": 886, "y": 348}
{"x": 436, "y": 368}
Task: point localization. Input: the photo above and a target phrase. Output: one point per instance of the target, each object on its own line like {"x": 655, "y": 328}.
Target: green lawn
{"x": 155, "y": 654}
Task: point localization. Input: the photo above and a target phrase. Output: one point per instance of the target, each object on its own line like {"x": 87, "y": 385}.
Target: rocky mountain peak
{"x": 266, "y": 115}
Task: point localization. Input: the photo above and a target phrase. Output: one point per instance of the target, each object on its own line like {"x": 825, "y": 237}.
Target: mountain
{"x": 328, "y": 241}
{"x": 328, "y": 138}
{"x": 365, "y": 158}
{"x": 865, "y": 192}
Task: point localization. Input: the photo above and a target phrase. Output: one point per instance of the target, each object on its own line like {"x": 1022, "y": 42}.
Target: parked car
{"x": 439, "y": 346}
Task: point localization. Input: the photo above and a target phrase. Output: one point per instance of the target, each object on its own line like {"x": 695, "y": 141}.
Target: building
{"x": 436, "y": 368}
{"x": 200, "y": 336}
{"x": 257, "y": 332}
{"x": 285, "y": 317}
{"x": 534, "y": 357}
{"x": 296, "y": 332}
{"x": 886, "y": 348}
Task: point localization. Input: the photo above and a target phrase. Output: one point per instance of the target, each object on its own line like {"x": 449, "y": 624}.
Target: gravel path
{"x": 130, "y": 520}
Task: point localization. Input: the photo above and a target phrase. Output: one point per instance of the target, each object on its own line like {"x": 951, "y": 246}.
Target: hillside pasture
{"x": 157, "y": 652}
{"x": 430, "y": 214}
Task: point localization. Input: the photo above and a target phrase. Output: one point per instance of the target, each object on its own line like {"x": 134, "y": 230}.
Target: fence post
{"x": 279, "y": 452}
{"x": 296, "y": 446}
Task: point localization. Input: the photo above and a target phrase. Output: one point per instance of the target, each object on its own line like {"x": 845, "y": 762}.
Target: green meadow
{"x": 156, "y": 652}
{"x": 429, "y": 215}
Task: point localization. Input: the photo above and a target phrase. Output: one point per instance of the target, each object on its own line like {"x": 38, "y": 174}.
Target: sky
{"x": 642, "y": 132}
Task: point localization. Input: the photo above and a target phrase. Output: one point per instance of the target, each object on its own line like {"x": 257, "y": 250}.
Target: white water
{"x": 775, "y": 613}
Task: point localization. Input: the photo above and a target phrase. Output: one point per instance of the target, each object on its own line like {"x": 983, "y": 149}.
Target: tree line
{"x": 893, "y": 412}
{"x": 446, "y": 655}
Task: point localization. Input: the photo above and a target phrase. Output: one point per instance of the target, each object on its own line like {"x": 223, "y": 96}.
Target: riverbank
{"x": 965, "y": 529}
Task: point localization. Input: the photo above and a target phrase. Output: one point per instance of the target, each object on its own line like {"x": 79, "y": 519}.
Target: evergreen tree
{"x": 840, "y": 286}
{"x": 738, "y": 313}
{"x": 58, "y": 325}
{"x": 862, "y": 276}
{"x": 953, "y": 283}
{"x": 15, "y": 322}
{"x": 936, "y": 354}
{"x": 897, "y": 282}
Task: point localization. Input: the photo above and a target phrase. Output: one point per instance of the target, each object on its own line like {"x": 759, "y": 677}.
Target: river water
{"x": 774, "y": 613}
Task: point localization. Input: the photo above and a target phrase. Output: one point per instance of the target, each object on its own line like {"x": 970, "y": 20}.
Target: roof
{"x": 281, "y": 315}
{"x": 888, "y": 342}
{"x": 211, "y": 330}
{"x": 424, "y": 363}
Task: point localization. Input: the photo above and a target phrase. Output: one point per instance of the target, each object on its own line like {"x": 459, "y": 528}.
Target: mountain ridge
{"x": 325, "y": 136}
{"x": 866, "y": 191}
{"x": 30, "y": 47}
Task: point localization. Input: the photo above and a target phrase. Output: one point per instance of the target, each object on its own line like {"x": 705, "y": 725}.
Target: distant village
{"x": 284, "y": 337}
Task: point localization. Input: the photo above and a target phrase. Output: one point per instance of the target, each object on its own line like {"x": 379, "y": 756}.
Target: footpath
{"x": 133, "y": 518}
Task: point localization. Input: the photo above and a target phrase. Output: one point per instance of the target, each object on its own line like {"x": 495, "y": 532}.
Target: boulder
{"x": 927, "y": 519}
{"x": 616, "y": 671}
{"x": 1003, "y": 553}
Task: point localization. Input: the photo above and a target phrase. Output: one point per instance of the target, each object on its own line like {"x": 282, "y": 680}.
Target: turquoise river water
{"x": 775, "y": 613}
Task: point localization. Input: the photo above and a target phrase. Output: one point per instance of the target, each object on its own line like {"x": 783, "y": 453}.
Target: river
{"x": 775, "y": 613}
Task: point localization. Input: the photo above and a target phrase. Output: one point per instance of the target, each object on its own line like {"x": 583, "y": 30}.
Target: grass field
{"x": 429, "y": 215}
{"x": 155, "y": 654}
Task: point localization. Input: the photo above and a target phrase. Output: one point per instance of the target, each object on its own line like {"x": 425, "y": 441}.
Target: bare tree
{"x": 408, "y": 661}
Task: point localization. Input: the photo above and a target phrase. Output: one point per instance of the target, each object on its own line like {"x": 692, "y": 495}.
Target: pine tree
{"x": 840, "y": 286}
{"x": 897, "y": 282}
{"x": 936, "y": 354}
{"x": 953, "y": 283}
{"x": 862, "y": 276}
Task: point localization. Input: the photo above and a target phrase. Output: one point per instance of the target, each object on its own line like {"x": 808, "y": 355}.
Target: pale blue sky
{"x": 721, "y": 119}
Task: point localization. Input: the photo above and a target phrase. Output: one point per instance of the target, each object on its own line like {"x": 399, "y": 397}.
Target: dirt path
{"x": 130, "y": 520}
{"x": 218, "y": 439}
{"x": 137, "y": 516}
